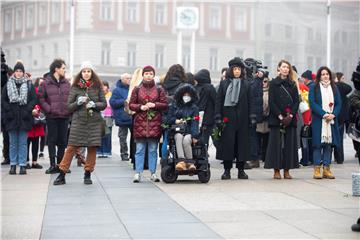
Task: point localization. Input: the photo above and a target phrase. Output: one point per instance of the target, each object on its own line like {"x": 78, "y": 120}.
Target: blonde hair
{"x": 292, "y": 74}
{"x": 135, "y": 81}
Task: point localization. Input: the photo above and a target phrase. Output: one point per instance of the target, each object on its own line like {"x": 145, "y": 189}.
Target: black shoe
{"x": 41, "y": 155}
{"x": 247, "y": 166}
{"x": 22, "y": 170}
{"x": 36, "y": 166}
{"x": 28, "y": 166}
{"x": 242, "y": 174}
{"x": 87, "y": 177}
{"x": 12, "y": 170}
{"x": 5, "y": 162}
{"x": 60, "y": 180}
{"x": 226, "y": 175}
{"x": 52, "y": 170}
{"x": 356, "y": 226}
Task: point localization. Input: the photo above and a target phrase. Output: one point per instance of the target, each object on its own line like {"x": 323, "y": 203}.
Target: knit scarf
{"x": 327, "y": 99}
{"x": 15, "y": 95}
{"x": 233, "y": 92}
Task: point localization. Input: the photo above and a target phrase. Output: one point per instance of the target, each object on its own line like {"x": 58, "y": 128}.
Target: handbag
{"x": 306, "y": 131}
{"x": 40, "y": 120}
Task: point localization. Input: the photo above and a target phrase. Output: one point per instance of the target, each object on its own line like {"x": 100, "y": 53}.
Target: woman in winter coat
{"x": 185, "y": 111}
{"x": 147, "y": 101}
{"x": 232, "y": 112}
{"x": 17, "y": 102}
{"x": 325, "y": 103}
{"x": 262, "y": 129}
{"x": 282, "y": 151}
{"x": 86, "y": 101}
{"x": 105, "y": 149}
{"x": 207, "y": 98}
{"x": 34, "y": 135}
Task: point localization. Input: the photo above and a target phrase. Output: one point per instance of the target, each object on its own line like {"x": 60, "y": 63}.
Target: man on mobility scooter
{"x": 187, "y": 153}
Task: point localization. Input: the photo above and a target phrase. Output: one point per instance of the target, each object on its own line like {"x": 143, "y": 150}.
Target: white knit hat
{"x": 87, "y": 64}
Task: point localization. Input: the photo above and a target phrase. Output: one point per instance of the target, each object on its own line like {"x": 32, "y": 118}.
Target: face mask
{"x": 186, "y": 99}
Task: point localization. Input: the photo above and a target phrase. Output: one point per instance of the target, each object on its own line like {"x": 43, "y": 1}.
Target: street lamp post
{"x": 328, "y": 33}
{"x": 72, "y": 30}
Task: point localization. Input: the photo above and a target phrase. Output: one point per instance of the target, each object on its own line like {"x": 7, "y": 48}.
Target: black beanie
{"x": 307, "y": 74}
{"x": 20, "y": 66}
{"x": 203, "y": 76}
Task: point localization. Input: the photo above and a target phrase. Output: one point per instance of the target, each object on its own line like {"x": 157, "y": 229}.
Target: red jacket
{"x": 37, "y": 130}
{"x": 143, "y": 126}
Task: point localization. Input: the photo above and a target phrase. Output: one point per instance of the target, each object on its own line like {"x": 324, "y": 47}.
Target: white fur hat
{"x": 87, "y": 64}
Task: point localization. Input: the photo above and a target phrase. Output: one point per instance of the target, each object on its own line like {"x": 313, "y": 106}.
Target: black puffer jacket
{"x": 16, "y": 117}
{"x": 207, "y": 96}
{"x": 181, "y": 110}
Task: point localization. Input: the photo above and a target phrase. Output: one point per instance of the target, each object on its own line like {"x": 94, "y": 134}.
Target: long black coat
{"x": 256, "y": 99}
{"x": 236, "y": 130}
{"x": 16, "y": 117}
{"x": 344, "y": 90}
{"x": 279, "y": 100}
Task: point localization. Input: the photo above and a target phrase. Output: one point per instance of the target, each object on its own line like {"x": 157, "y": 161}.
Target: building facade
{"x": 119, "y": 36}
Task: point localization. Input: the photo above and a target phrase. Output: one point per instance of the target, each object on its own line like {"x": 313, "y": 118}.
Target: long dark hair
{"x": 94, "y": 78}
{"x": 176, "y": 70}
{"x": 318, "y": 77}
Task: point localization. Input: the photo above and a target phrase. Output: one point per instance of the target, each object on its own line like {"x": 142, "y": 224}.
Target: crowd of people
{"x": 250, "y": 118}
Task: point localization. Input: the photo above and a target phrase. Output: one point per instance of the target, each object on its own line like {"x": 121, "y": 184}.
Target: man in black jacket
{"x": 206, "y": 103}
{"x": 4, "y": 79}
{"x": 256, "y": 115}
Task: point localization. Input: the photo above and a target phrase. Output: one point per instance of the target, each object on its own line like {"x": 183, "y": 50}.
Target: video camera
{"x": 253, "y": 66}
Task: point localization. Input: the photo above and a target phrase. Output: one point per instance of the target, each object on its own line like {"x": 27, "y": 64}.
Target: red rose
{"x": 197, "y": 118}
{"x": 88, "y": 84}
{"x": 331, "y": 104}
{"x": 37, "y": 107}
{"x": 288, "y": 110}
{"x": 226, "y": 120}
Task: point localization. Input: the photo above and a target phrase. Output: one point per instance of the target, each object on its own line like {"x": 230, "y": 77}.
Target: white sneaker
{"x": 154, "y": 178}
{"x": 137, "y": 178}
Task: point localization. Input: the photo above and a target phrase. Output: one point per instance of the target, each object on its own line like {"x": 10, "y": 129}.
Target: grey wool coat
{"x": 86, "y": 129}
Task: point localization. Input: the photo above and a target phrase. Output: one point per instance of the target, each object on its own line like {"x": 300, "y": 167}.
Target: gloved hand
{"x": 286, "y": 121}
{"x": 90, "y": 104}
{"x": 81, "y": 100}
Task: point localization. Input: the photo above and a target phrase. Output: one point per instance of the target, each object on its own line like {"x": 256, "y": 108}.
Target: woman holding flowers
{"x": 184, "y": 111}
{"x": 232, "y": 120}
{"x": 325, "y": 103}
{"x": 282, "y": 152}
{"x": 86, "y": 101}
{"x": 147, "y": 101}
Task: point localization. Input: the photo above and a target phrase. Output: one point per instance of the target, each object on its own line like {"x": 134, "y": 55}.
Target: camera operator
{"x": 255, "y": 76}
{"x": 4, "y": 79}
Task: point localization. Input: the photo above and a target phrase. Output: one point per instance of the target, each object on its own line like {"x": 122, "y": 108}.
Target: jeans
{"x": 306, "y": 151}
{"x": 140, "y": 155}
{"x": 339, "y": 151}
{"x": 164, "y": 149}
{"x": 105, "y": 148}
{"x": 57, "y": 137}
{"x": 254, "y": 144}
{"x": 322, "y": 154}
{"x": 18, "y": 147}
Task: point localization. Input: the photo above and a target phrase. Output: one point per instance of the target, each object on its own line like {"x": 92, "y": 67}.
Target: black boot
{"x": 226, "y": 175}
{"x": 5, "y": 162}
{"x": 242, "y": 174}
{"x": 52, "y": 169}
{"x": 247, "y": 165}
{"x": 356, "y": 226}
{"x": 12, "y": 170}
{"x": 87, "y": 177}
{"x": 22, "y": 170}
{"x": 60, "y": 180}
